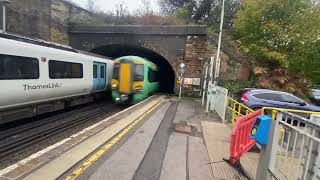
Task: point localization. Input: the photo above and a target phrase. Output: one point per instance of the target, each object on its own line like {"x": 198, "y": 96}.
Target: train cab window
{"x": 64, "y": 70}
{"x": 102, "y": 71}
{"x": 138, "y": 72}
{"x": 95, "y": 71}
{"x": 18, "y": 67}
{"x": 116, "y": 70}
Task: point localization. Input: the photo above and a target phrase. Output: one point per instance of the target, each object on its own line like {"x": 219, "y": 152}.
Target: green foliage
{"x": 201, "y": 11}
{"x": 282, "y": 33}
{"x": 184, "y": 13}
{"x": 236, "y": 86}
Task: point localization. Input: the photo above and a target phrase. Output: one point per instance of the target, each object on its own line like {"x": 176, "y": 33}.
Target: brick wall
{"x": 199, "y": 50}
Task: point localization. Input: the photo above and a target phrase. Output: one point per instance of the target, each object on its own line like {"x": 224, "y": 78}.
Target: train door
{"x": 125, "y": 78}
{"x": 99, "y": 76}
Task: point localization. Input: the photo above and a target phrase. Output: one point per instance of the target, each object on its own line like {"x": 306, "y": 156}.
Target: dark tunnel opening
{"x": 166, "y": 73}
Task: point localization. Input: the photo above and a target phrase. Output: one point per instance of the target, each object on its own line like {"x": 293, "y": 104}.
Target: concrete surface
{"x": 185, "y": 110}
{"x": 123, "y": 164}
{"x": 187, "y": 157}
{"x": 175, "y": 162}
{"x": 58, "y": 166}
{"x": 199, "y": 167}
{"x": 150, "y": 167}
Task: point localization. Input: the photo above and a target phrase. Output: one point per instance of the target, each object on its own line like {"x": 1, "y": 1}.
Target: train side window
{"x": 152, "y": 75}
{"x": 139, "y": 72}
{"x": 102, "y": 71}
{"x": 18, "y": 67}
{"x": 95, "y": 69}
{"x": 65, "y": 70}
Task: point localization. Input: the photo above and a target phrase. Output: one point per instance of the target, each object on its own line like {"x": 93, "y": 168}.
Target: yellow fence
{"x": 275, "y": 110}
{"x": 238, "y": 109}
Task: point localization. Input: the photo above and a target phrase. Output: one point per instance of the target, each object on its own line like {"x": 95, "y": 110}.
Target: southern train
{"x": 134, "y": 79}
{"x": 38, "y": 77}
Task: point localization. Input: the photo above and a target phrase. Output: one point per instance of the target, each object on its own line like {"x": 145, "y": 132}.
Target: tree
{"x": 91, "y": 6}
{"x": 201, "y": 11}
{"x": 145, "y": 9}
{"x": 121, "y": 10}
{"x": 282, "y": 33}
{"x": 168, "y": 7}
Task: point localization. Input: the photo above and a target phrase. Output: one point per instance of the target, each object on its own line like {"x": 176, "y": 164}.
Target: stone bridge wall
{"x": 45, "y": 19}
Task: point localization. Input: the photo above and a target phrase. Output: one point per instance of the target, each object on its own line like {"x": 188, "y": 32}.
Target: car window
{"x": 268, "y": 96}
{"x": 291, "y": 99}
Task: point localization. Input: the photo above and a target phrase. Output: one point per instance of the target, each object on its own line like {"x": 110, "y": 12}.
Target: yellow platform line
{"x": 93, "y": 158}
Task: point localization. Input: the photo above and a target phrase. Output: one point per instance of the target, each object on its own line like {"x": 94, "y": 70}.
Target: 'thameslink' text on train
{"x": 42, "y": 86}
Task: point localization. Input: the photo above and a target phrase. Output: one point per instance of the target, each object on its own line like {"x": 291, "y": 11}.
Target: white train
{"x": 36, "y": 79}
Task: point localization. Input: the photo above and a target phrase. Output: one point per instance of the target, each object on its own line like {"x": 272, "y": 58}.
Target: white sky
{"x": 109, "y": 5}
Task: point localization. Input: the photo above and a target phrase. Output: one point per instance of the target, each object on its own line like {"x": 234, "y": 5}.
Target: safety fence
{"x": 296, "y": 154}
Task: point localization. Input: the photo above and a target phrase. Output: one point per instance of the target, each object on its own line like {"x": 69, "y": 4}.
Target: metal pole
{"x": 210, "y": 84}
{"x": 3, "y": 17}
{"x": 180, "y": 88}
{"x": 217, "y": 71}
{"x": 204, "y": 87}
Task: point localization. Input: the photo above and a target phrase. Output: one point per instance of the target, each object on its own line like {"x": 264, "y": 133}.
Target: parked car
{"x": 315, "y": 95}
{"x": 258, "y": 98}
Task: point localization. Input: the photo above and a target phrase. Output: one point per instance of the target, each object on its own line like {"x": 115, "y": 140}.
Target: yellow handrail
{"x": 275, "y": 110}
{"x": 237, "y": 109}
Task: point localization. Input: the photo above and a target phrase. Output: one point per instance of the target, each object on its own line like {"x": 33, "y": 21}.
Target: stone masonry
{"x": 45, "y": 19}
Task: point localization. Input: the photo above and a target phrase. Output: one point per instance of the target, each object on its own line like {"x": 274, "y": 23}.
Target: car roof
{"x": 255, "y": 91}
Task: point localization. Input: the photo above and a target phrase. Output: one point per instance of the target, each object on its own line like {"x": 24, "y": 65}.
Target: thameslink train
{"x": 36, "y": 79}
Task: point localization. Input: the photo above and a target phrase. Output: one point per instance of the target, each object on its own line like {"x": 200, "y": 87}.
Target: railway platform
{"x": 160, "y": 138}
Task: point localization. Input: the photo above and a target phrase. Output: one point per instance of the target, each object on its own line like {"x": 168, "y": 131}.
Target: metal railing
{"x": 273, "y": 112}
{"x": 296, "y": 153}
{"x": 237, "y": 109}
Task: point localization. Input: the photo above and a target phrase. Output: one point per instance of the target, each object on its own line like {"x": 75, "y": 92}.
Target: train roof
{"x": 95, "y": 55}
{"x": 138, "y": 58}
{"x": 44, "y": 43}
{"x": 40, "y": 42}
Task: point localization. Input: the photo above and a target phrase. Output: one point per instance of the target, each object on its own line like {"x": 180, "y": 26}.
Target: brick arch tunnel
{"x": 166, "y": 73}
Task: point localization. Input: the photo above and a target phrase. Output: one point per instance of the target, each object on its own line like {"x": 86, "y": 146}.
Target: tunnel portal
{"x": 166, "y": 74}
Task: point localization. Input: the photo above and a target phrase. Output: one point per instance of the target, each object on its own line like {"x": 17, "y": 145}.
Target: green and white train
{"x": 134, "y": 79}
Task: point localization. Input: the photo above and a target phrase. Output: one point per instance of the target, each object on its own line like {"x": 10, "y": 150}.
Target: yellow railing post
{"x": 233, "y": 113}
{"x": 274, "y": 113}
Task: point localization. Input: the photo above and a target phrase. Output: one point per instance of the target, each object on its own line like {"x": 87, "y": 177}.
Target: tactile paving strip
{"x": 218, "y": 137}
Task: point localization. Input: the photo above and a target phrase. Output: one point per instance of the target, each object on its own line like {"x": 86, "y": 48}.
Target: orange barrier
{"x": 241, "y": 142}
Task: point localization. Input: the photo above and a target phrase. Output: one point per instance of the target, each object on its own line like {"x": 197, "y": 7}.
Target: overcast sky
{"x": 109, "y": 5}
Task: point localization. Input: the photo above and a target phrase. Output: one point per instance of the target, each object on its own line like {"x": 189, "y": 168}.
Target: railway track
{"x": 16, "y": 139}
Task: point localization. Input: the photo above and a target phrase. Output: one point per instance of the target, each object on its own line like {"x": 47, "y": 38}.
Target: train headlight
{"x": 114, "y": 85}
{"x": 138, "y": 88}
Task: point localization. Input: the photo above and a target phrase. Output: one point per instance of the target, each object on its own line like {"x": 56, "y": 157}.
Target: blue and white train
{"x": 35, "y": 79}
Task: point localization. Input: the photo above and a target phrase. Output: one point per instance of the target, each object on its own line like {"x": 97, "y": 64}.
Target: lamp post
{"x": 217, "y": 69}
{"x": 214, "y": 77}
{"x": 4, "y": 4}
